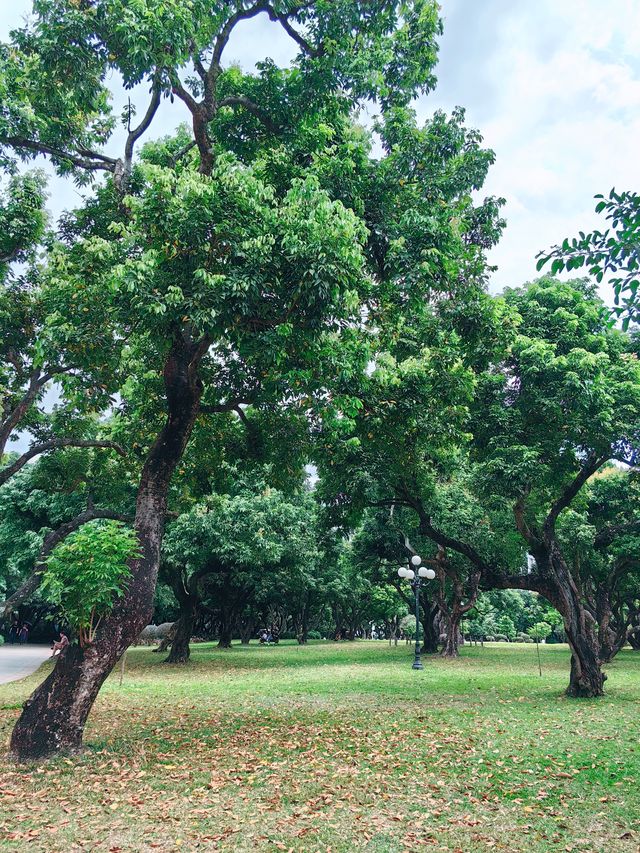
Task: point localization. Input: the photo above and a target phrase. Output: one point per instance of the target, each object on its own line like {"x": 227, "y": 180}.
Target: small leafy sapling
{"x": 88, "y": 572}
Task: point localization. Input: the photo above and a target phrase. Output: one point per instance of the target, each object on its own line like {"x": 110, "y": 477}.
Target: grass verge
{"x": 337, "y": 747}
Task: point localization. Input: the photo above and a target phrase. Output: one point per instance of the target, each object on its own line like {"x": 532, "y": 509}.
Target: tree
{"x": 506, "y": 628}
{"x": 562, "y": 403}
{"x": 47, "y": 501}
{"x": 540, "y": 631}
{"x": 614, "y": 252}
{"x": 232, "y": 553}
{"x": 225, "y": 272}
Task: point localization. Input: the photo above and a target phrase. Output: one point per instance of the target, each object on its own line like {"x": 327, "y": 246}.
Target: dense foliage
{"x": 276, "y": 286}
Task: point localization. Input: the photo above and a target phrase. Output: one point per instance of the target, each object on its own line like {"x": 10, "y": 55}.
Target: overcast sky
{"x": 554, "y": 87}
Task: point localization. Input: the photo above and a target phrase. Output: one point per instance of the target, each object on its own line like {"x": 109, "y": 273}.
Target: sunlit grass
{"x": 341, "y": 747}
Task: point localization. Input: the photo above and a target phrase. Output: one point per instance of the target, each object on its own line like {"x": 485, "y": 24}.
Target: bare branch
{"x": 283, "y": 20}
{"x": 92, "y": 161}
{"x": 137, "y": 132}
{"x": 225, "y": 33}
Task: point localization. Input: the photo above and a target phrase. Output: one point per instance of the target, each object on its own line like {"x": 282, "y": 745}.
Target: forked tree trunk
{"x": 452, "y": 636}
{"x": 54, "y": 716}
{"x": 180, "y": 651}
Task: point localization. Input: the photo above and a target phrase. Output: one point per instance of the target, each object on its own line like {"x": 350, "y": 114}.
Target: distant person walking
{"x": 13, "y": 632}
{"x": 23, "y": 636}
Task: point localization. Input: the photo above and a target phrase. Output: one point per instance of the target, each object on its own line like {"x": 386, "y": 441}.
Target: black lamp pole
{"x": 416, "y": 573}
{"x": 416, "y": 583}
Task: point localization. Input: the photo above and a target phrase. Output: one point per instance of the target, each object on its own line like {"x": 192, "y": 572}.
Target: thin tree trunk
{"x": 54, "y": 716}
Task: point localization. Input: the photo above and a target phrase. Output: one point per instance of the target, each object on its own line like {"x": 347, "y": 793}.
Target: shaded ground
{"x": 18, "y": 661}
{"x": 338, "y": 747}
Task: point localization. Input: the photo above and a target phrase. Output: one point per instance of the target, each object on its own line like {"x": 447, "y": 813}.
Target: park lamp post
{"x": 416, "y": 575}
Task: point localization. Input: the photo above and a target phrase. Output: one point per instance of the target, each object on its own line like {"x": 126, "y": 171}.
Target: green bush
{"x": 87, "y": 572}
{"x": 314, "y": 635}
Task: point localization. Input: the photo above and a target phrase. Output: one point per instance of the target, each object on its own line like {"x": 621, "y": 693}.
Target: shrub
{"x": 500, "y": 638}
{"x": 314, "y": 635}
{"x": 523, "y": 638}
{"x": 87, "y": 572}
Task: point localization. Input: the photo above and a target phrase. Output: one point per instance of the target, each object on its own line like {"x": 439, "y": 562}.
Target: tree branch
{"x": 250, "y": 107}
{"x": 594, "y": 462}
{"x": 137, "y": 132}
{"x": 53, "y": 444}
{"x": 92, "y": 161}
{"x": 51, "y": 540}
{"x": 283, "y": 20}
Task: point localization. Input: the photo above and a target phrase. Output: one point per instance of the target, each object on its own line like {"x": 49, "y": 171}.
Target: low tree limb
{"x": 54, "y": 444}
{"x": 51, "y": 540}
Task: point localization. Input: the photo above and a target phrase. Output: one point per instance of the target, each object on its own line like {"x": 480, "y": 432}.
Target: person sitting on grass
{"x": 60, "y": 645}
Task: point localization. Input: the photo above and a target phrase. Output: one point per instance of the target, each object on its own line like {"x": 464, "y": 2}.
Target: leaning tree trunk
{"x": 183, "y": 630}
{"x": 634, "y": 637}
{"x": 54, "y": 716}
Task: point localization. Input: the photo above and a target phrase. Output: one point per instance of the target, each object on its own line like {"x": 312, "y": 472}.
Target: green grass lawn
{"x": 338, "y": 747}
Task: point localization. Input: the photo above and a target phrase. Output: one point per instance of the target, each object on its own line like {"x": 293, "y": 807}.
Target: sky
{"x": 554, "y": 88}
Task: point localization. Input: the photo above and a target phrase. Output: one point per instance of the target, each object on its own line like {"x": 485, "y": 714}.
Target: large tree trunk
{"x": 587, "y": 678}
{"x": 54, "y": 716}
{"x": 225, "y": 633}
{"x": 452, "y": 635}
{"x": 430, "y": 637}
{"x": 180, "y": 650}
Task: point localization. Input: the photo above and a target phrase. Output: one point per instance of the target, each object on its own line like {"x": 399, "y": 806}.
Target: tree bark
{"x": 180, "y": 651}
{"x": 54, "y": 716}
{"x": 452, "y": 635}
{"x": 586, "y": 678}
{"x": 225, "y": 634}
{"x": 430, "y": 637}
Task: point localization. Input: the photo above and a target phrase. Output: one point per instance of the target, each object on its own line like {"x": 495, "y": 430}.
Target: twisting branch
{"x": 589, "y": 468}
{"x": 137, "y": 132}
{"x": 92, "y": 161}
{"x": 53, "y": 444}
{"x": 51, "y": 540}
{"x": 251, "y": 107}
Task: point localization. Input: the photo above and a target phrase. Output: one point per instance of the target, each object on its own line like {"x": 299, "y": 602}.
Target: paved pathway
{"x": 20, "y": 661}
